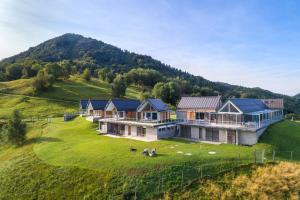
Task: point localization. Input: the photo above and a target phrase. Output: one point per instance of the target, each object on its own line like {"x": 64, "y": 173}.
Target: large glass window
{"x": 199, "y": 115}
{"x": 121, "y": 114}
{"x": 233, "y": 109}
{"x": 212, "y": 134}
{"x": 154, "y": 116}
{"x": 148, "y": 115}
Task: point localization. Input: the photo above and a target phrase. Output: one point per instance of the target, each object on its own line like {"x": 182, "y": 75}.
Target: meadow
{"x": 68, "y": 160}
{"x": 62, "y": 98}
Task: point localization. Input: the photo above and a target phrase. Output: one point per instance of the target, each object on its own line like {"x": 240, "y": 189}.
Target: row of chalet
{"x": 237, "y": 121}
{"x": 149, "y": 119}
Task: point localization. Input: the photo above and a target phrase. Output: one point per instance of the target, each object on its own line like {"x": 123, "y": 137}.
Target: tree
{"x": 14, "y": 71}
{"x": 119, "y": 86}
{"x": 54, "y": 69}
{"x": 143, "y": 77}
{"x": 110, "y": 76}
{"x": 86, "y": 75}
{"x": 65, "y": 69}
{"x": 2, "y": 76}
{"x": 15, "y": 130}
{"x": 168, "y": 92}
{"x": 42, "y": 82}
{"x": 102, "y": 73}
{"x": 145, "y": 95}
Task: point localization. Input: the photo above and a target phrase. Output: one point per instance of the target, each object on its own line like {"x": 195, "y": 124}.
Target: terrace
{"x": 249, "y": 121}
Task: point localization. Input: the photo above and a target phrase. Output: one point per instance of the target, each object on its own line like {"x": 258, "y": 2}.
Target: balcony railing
{"x": 140, "y": 120}
{"x": 248, "y": 124}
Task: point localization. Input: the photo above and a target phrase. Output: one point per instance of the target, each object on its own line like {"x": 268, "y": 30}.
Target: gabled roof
{"x": 212, "y": 102}
{"x": 273, "y": 103}
{"x": 83, "y": 104}
{"x": 156, "y": 104}
{"x": 249, "y": 105}
{"x": 126, "y": 104}
{"x": 98, "y": 104}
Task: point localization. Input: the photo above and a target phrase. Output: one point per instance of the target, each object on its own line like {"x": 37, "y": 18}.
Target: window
{"x": 121, "y": 114}
{"x": 148, "y": 115}
{"x": 199, "y": 115}
{"x": 233, "y": 109}
{"x": 154, "y": 116}
{"x": 141, "y": 131}
{"x": 212, "y": 134}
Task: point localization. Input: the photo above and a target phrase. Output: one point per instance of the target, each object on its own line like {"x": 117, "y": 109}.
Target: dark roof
{"x": 249, "y": 105}
{"x": 126, "y": 104}
{"x": 98, "y": 104}
{"x": 83, "y": 104}
{"x": 158, "y": 105}
{"x": 212, "y": 102}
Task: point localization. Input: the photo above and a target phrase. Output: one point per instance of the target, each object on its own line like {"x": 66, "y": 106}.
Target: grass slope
{"x": 273, "y": 181}
{"x": 284, "y": 137}
{"x": 63, "y": 97}
{"x": 68, "y": 160}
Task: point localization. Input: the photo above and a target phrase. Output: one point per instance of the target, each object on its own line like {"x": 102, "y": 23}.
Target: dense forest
{"x": 72, "y": 54}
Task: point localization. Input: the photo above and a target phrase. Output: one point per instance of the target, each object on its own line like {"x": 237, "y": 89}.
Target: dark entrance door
{"x": 185, "y": 131}
{"x": 129, "y": 130}
{"x": 231, "y": 136}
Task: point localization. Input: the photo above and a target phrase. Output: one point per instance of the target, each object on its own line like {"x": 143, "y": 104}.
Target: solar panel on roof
{"x": 249, "y": 105}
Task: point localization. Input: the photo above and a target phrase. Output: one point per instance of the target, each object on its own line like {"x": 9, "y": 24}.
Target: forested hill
{"x": 80, "y": 53}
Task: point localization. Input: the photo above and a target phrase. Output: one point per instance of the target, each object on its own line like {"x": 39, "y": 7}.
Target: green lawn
{"x": 75, "y": 143}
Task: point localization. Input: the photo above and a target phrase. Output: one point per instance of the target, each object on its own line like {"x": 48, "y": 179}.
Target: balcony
{"x": 249, "y": 125}
{"x": 134, "y": 121}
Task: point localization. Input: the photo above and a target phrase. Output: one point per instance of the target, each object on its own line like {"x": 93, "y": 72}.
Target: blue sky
{"x": 249, "y": 43}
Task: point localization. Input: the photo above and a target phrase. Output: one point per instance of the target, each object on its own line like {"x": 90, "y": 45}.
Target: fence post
{"x": 254, "y": 156}
{"x": 273, "y": 156}
{"x": 181, "y": 178}
{"x": 162, "y": 184}
{"x": 135, "y": 196}
{"x": 201, "y": 171}
{"x": 262, "y": 155}
{"x": 291, "y": 155}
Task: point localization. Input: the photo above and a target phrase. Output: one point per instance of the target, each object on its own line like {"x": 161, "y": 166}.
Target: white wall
{"x": 247, "y": 137}
{"x": 104, "y": 128}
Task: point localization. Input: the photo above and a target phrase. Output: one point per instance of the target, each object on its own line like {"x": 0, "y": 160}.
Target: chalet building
{"x": 82, "y": 107}
{"x": 238, "y": 121}
{"x": 149, "y": 120}
{"x": 95, "y": 109}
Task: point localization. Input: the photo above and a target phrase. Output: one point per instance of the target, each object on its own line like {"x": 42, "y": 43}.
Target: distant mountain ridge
{"x": 76, "y": 47}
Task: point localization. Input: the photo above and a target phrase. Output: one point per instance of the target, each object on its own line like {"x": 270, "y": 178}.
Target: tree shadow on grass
{"x": 41, "y": 140}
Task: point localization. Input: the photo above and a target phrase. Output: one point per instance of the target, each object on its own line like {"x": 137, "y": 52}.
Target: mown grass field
{"x": 62, "y": 98}
{"x": 75, "y": 143}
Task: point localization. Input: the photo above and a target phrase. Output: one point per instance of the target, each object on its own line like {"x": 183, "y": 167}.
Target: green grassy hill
{"x": 62, "y": 98}
{"x": 68, "y": 160}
